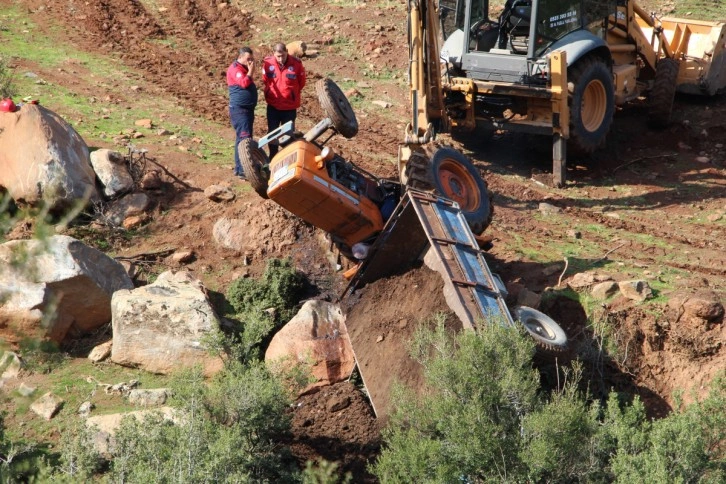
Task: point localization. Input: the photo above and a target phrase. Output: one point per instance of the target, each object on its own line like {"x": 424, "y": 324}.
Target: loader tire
{"x": 547, "y": 334}
{"x": 663, "y": 93}
{"x": 337, "y": 107}
{"x": 255, "y": 162}
{"x": 592, "y": 103}
{"x": 452, "y": 175}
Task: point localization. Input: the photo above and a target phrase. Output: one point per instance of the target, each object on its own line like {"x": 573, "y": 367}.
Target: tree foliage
{"x": 483, "y": 418}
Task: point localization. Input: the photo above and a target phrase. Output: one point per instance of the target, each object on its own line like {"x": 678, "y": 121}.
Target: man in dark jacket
{"x": 284, "y": 78}
{"x": 242, "y": 100}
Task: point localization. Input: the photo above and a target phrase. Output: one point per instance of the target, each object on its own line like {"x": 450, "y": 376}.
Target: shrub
{"x": 278, "y": 291}
{"x": 7, "y": 89}
{"x": 483, "y": 417}
{"x": 224, "y": 432}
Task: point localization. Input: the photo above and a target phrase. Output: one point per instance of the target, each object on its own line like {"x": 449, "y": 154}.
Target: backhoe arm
{"x": 427, "y": 103}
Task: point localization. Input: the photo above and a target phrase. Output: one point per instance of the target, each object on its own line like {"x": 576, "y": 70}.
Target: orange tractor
{"x": 321, "y": 187}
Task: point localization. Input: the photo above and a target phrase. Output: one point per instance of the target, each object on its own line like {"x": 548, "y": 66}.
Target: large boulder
{"x": 43, "y": 159}
{"x": 55, "y": 288}
{"x": 161, "y": 327}
{"x": 316, "y": 338}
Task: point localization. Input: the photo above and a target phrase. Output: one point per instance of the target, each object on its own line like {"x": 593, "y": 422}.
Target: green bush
{"x": 226, "y": 431}
{"x": 482, "y": 417}
{"x": 263, "y": 305}
{"x": 467, "y": 425}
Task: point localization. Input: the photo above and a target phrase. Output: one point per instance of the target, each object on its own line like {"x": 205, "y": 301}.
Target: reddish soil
{"x": 653, "y": 199}
{"x": 382, "y": 318}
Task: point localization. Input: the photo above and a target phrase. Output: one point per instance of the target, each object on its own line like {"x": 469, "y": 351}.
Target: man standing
{"x": 242, "y": 100}
{"x": 284, "y": 78}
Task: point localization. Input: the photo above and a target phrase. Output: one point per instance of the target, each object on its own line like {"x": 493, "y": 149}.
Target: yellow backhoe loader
{"x": 551, "y": 67}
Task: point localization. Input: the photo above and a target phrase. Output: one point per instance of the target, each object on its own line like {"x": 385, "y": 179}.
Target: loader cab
{"x": 506, "y": 40}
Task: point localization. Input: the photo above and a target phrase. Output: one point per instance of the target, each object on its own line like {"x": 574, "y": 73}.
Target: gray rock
{"x": 548, "y": 208}
{"x": 26, "y": 390}
{"x": 161, "y": 327}
{"x": 637, "y": 290}
{"x": 581, "y": 279}
{"x": 110, "y": 167}
{"x": 10, "y": 365}
{"x": 100, "y": 352}
{"x": 604, "y": 290}
{"x": 129, "y": 205}
{"x": 85, "y": 409}
{"x": 47, "y": 406}
{"x": 230, "y": 233}
{"x": 219, "y": 193}
{"x": 152, "y": 397}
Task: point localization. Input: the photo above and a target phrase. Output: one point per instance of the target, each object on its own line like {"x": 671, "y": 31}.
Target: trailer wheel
{"x": 255, "y": 163}
{"x": 337, "y": 107}
{"x": 592, "y": 103}
{"x": 663, "y": 93}
{"x": 546, "y": 332}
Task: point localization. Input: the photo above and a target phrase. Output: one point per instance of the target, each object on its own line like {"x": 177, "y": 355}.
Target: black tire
{"x": 592, "y": 103}
{"x": 664, "y": 91}
{"x": 337, "y": 107}
{"x": 546, "y": 332}
{"x": 452, "y": 175}
{"x": 255, "y": 164}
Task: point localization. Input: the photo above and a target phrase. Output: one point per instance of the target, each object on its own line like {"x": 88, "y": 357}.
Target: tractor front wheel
{"x": 256, "y": 165}
{"x": 592, "y": 102}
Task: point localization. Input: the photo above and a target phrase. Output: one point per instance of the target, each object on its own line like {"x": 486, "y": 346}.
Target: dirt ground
{"x": 657, "y": 198}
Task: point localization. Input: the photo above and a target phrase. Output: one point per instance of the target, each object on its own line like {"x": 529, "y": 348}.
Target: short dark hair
{"x": 280, "y": 47}
{"x": 244, "y": 50}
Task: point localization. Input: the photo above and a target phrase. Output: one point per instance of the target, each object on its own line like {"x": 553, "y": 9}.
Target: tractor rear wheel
{"x": 452, "y": 175}
{"x": 337, "y": 107}
{"x": 663, "y": 93}
{"x": 255, "y": 163}
{"x": 546, "y": 332}
{"x": 592, "y": 103}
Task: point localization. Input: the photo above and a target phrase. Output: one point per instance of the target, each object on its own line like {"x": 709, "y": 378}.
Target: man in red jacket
{"x": 284, "y": 78}
{"x": 242, "y": 100}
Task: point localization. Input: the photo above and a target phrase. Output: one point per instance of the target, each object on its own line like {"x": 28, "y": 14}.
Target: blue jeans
{"x": 242, "y": 120}
{"x": 275, "y": 119}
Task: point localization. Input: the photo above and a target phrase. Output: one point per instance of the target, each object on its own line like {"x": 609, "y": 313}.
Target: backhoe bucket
{"x": 700, "y": 46}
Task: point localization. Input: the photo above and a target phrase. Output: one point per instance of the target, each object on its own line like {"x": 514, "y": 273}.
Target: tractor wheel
{"x": 255, "y": 163}
{"x": 546, "y": 332}
{"x": 592, "y": 103}
{"x": 337, "y": 107}
{"x": 663, "y": 93}
{"x": 452, "y": 175}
